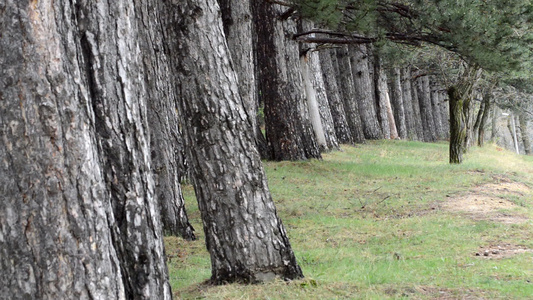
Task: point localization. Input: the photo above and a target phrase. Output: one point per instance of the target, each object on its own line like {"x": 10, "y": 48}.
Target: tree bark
{"x": 349, "y": 99}
{"x": 244, "y": 236}
{"x": 239, "y": 31}
{"x": 397, "y": 96}
{"x": 79, "y": 217}
{"x": 460, "y": 97}
{"x": 412, "y": 109}
{"x": 319, "y": 85}
{"x": 487, "y": 108}
{"x": 166, "y": 143}
{"x": 436, "y": 112}
{"x": 342, "y": 130}
{"x": 288, "y": 129}
{"x": 363, "y": 92}
{"x": 525, "y": 135}
{"x": 426, "y": 110}
{"x": 383, "y": 100}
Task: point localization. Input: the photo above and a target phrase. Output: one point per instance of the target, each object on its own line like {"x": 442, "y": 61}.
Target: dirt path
{"x": 491, "y": 202}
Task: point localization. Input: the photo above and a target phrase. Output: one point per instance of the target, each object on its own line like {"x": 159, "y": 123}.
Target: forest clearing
{"x": 389, "y": 220}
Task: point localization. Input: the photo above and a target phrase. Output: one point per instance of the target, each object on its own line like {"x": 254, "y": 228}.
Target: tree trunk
{"x": 363, "y": 92}
{"x": 317, "y": 81}
{"x": 426, "y": 110}
{"x": 487, "y": 107}
{"x": 494, "y": 130}
{"x": 79, "y": 218}
{"x": 457, "y": 125}
{"x": 349, "y": 99}
{"x": 445, "y": 114}
{"x": 239, "y": 30}
{"x": 477, "y": 124}
{"x": 382, "y": 99}
{"x": 166, "y": 143}
{"x": 244, "y": 236}
{"x": 312, "y": 102}
{"x": 338, "y": 115}
{"x": 436, "y": 111}
{"x": 407, "y": 97}
{"x": 511, "y": 124}
{"x": 460, "y": 97}
{"x": 397, "y": 96}
{"x": 288, "y": 129}
{"x": 525, "y": 135}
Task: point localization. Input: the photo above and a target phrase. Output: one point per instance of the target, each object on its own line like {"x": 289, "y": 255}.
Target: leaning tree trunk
{"x": 168, "y": 153}
{"x": 525, "y": 134}
{"x": 328, "y": 62}
{"x": 239, "y": 30}
{"x": 363, "y": 92}
{"x": 288, "y": 129}
{"x": 349, "y": 99}
{"x": 78, "y": 214}
{"x": 244, "y": 235}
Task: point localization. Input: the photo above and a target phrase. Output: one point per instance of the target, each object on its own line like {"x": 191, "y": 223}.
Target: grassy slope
{"x": 367, "y": 223}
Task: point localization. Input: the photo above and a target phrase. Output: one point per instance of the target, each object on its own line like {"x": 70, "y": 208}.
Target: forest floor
{"x": 389, "y": 220}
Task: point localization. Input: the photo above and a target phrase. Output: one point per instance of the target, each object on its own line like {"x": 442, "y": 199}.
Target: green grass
{"x": 367, "y": 223}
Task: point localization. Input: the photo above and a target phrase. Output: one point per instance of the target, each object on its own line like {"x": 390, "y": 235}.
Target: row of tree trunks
{"x": 426, "y": 108}
{"x": 328, "y": 61}
{"x": 525, "y": 134}
{"x": 289, "y": 132}
{"x": 79, "y": 214}
{"x": 383, "y": 103}
{"x": 244, "y": 236}
{"x": 401, "y": 112}
{"x": 349, "y": 98}
{"x": 319, "y": 85}
{"x": 359, "y": 56}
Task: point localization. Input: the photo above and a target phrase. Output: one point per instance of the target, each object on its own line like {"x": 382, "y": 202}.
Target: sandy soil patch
{"x": 489, "y": 201}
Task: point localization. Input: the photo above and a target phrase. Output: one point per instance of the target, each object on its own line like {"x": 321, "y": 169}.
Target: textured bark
{"x": 347, "y": 88}
{"x": 426, "y": 110}
{"x": 328, "y": 61}
{"x": 511, "y": 125}
{"x": 487, "y": 107}
{"x": 436, "y": 112}
{"x": 445, "y": 114}
{"x": 244, "y": 236}
{"x": 364, "y": 92}
{"x": 525, "y": 135}
{"x": 78, "y": 216}
{"x": 383, "y": 100}
{"x": 457, "y": 126}
{"x": 397, "y": 96}
{"x": 289, "y": 133}
{"x": 319, "y": 86}
{"x": 494, "y": 124}
{"x": 408, "y": 98}
{"x": 239, "y": 31}
{"x": 460, "y": 97}
{"x": 166, "y": 143}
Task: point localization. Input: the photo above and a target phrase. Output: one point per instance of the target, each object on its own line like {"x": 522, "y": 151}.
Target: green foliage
{"x": 493, "y": 34}
{"x": 368, "y": 223}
